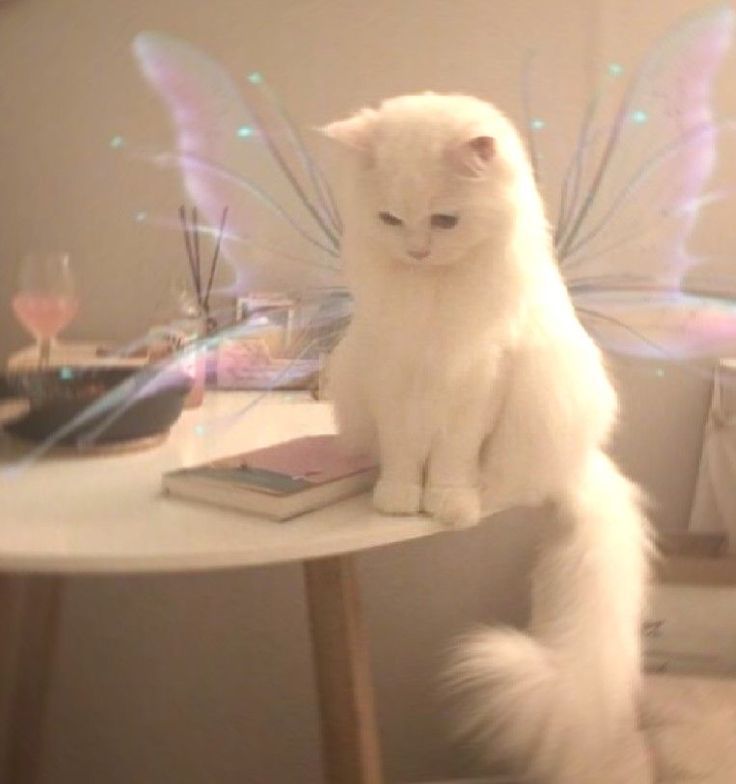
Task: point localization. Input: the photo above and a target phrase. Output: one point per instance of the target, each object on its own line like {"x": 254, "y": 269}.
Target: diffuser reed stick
{"x": 190, "y": 229}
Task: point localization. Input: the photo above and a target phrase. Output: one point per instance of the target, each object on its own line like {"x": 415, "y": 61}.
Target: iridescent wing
{"x": 631, "y": 193}
{"x": 236, "y": 147}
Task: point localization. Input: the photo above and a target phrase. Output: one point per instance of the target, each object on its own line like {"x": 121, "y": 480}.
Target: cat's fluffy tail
{"x": 560, "y": 703}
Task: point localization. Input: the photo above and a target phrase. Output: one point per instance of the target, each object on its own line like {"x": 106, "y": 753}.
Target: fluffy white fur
{"x": 466, "y": 370}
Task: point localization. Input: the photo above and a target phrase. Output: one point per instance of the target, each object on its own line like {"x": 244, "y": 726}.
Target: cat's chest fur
{"x": 431, "y": 330}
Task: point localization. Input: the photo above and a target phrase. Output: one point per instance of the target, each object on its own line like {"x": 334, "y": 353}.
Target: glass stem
{"x": 44, "y": 352}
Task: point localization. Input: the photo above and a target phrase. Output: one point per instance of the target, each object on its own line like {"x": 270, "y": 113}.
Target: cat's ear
{"x": 356, "y": 132}
{"x": 473, "y": 155}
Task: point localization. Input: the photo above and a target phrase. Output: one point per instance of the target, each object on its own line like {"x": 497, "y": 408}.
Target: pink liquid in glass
{"x": 44, "y": 315}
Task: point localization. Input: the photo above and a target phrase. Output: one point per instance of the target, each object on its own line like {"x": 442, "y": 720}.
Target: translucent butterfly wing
{"x": 647, "y": 164}
{"x": 631, "y": 195}
{"x": 282, "y": 226}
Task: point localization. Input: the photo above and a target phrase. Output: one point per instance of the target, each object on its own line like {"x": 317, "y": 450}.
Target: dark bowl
{"x": 139, "y": 402}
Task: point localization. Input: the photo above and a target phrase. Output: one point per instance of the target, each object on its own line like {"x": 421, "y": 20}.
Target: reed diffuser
{"x": 201, "y": 282}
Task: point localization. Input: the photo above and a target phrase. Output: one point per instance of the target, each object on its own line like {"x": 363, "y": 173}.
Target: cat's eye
{"x": 389, "y": 219}
{"x": 440, "y": 221}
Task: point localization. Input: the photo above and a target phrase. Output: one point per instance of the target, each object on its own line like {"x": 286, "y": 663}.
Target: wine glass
{"x": 45, "y": 301}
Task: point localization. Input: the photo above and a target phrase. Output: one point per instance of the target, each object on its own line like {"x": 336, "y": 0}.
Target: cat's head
{"x": 436, "y": 176}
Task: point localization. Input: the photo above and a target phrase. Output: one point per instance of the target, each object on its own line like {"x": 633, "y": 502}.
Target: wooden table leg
{"x": 350, "y": 746}
{"x": 29, "y": 620}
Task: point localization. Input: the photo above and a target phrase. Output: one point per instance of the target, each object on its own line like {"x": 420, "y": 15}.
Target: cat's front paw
{"x": 457, "y": 506}
{"x": 397, "y": 498}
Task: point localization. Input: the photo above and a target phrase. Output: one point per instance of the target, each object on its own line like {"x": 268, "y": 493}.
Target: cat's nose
{"x": 419, "y": 254}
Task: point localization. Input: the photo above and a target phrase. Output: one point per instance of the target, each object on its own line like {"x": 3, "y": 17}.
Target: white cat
{"x": 466, "y": 370}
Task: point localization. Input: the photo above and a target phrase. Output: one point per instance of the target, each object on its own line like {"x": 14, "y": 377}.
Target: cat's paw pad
{"x": 397, "y": 498}
{"x": 456, "y": 506}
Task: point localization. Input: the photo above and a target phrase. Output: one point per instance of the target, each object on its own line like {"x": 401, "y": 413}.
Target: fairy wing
{"x": 630, "y": 195}
{"x": 283, "y": 228}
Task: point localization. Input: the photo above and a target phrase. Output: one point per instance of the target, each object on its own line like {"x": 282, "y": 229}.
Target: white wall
{"x": 206, "y": 679}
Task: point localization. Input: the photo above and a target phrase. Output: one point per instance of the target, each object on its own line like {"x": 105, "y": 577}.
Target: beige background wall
{"x": 206, "y": 679}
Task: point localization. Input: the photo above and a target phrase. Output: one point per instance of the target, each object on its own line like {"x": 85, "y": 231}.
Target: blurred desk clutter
{"x": 77, "y": 353}
{"x": 87, "y": 397}
{"x": 270, "y": 341}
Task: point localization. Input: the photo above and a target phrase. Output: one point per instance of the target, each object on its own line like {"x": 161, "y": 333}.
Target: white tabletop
{"x": 95, "y": 514}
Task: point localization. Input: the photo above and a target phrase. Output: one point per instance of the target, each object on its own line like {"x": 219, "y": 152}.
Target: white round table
{"x": 105, "y": 513}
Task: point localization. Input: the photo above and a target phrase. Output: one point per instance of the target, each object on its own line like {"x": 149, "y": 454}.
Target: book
{"x": 280, "y": 481}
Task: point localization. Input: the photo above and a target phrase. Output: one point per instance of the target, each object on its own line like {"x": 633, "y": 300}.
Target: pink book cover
{"x": 315, "y": 460}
